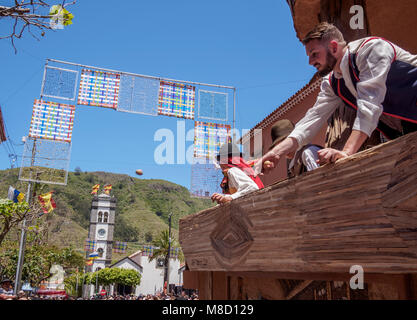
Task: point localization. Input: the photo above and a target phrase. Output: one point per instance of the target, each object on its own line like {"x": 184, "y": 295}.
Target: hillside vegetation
{"x": 142, "y": 207}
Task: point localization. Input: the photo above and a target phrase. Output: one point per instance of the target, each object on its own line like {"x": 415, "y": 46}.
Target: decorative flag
{"x": 89, "y": 262}
{"x": 208, "y": 138}
{"x": 212, "y": 105}
{"x": 176, "y": 99}
{"x": 98, "y": 88}
{"x": 93, "y": 256}
{"x": 119, "y": 247}
{"x": 90, "y": 245}
{"x": 173, "y": 253}
{"x": 59, "y": 83}
{"x": 15, "y": 195}
{"x": 205, "y": 179}
{"x": 107, "y": 189}
{"x": 147, "y": 250}
{"x": 95, "y": 189}
{"x": 52, "y": 120}
{"x": 138, "y": 95}
{"x": 48, "y": 204}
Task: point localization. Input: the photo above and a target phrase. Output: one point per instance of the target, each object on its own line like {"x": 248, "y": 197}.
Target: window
{"x": 100, "y": 216}
{"x": 100, "y": 252}
{"x": 106, "y": 217}
{"x": 160, "y": 262}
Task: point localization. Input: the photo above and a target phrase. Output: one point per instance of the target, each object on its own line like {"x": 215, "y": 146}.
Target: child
{"x": 238, "y": 178}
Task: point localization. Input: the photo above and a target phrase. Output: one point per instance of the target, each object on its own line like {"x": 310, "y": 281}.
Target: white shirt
{"x": 309, "y": 157}
{"x": 373, "y": 60}
{"x": 241, "y": 182}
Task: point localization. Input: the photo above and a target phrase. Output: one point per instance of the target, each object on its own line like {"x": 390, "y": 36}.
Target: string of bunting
{"x": 51, "y": 120}
{"x": 98, "y": 88}
{"x": 90, "y": 245}
{"x": 208, "y": 138}
{"x": 119, "y": 247}
{"x": 176, "y": 100}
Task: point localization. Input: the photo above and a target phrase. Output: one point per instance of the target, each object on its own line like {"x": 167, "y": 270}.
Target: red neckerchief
{"x": 238, "y": 162}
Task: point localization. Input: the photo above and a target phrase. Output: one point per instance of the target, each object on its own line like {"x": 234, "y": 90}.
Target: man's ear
{"x": 333, "y": 46}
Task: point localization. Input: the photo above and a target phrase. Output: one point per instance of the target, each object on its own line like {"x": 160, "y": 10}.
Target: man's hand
{"x": 266, "y": 163}
{"x": 270, "y": 160}
{"x": 220, "y": 198}
{"x": 328, "y": 155}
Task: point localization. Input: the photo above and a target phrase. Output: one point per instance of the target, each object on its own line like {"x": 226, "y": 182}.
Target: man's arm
{"x": 374, "y": 62}
{"x": 306, "y": 129}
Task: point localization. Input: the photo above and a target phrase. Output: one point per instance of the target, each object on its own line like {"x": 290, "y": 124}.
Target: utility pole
{"x": 22, "y": 245}
{"x": 168, "y": 255}
{"x": 18, "y": 278}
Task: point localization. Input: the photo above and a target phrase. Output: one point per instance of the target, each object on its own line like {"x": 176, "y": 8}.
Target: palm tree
{"x": 162, "y": 245}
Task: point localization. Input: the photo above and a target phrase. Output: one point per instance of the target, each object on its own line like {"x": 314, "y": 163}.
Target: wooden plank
{"x": 220, "y": 286}
{"x": 205, "y": 285}
{"x": 298, "y": 289}
{"x": 190, "y": 279}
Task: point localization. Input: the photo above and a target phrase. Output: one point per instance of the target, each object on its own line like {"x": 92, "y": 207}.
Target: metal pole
{"x": 96, "y": 282}
{"x": 234, "y": 114}
{"x": 76, "y": 285}
{"x": 22, "y": 245}
{"x": 21, "y": 249}
{"x": 140, "y": 75}
{"x": 168, "y": 255}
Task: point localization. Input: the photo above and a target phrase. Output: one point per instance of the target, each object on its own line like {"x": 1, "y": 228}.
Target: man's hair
{"x": 326, "y": 32}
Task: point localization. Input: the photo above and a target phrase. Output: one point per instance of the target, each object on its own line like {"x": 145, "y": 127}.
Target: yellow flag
{"x": 95, "y": 189}
{"x": 107, "y": 189}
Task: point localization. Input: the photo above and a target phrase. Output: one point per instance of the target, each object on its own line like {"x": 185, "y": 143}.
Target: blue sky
{"x": 250, "y": 45}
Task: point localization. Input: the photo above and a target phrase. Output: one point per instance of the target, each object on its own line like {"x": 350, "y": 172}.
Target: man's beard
{"x": 330, "y": 63}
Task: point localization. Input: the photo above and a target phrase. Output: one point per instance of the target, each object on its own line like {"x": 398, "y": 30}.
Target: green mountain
{"x": 142, "y": 207}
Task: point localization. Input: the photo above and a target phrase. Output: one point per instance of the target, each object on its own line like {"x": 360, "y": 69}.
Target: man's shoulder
{"x": 370, "y": 41}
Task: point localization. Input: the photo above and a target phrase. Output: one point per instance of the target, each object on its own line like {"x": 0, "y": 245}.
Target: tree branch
{"x": 26, "y": 15}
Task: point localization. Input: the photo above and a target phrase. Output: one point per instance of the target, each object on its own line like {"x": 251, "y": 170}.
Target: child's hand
{"x": 220, "y": 198}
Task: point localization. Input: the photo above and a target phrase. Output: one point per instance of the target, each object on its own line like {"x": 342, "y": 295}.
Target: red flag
{"x": 48, "y": 204}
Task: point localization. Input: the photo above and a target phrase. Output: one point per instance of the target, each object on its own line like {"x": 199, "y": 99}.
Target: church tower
{"x": 103, "y": 209}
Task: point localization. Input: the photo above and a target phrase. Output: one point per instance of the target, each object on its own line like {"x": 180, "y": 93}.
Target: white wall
{"x": 152, "y": 278}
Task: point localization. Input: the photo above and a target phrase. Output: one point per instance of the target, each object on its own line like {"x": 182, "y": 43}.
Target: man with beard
{"x": 373, "y": 76}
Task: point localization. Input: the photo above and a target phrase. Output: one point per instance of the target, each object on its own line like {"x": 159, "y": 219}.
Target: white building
{"x": 152, "y": 273}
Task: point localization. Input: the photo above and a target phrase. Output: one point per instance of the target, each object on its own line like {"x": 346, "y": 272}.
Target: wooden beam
{"x": 297, "y": 289}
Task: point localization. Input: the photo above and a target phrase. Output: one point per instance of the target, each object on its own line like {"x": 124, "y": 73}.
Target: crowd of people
{"x": 6, "y": 293}
{"x": 157, "y": 296}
